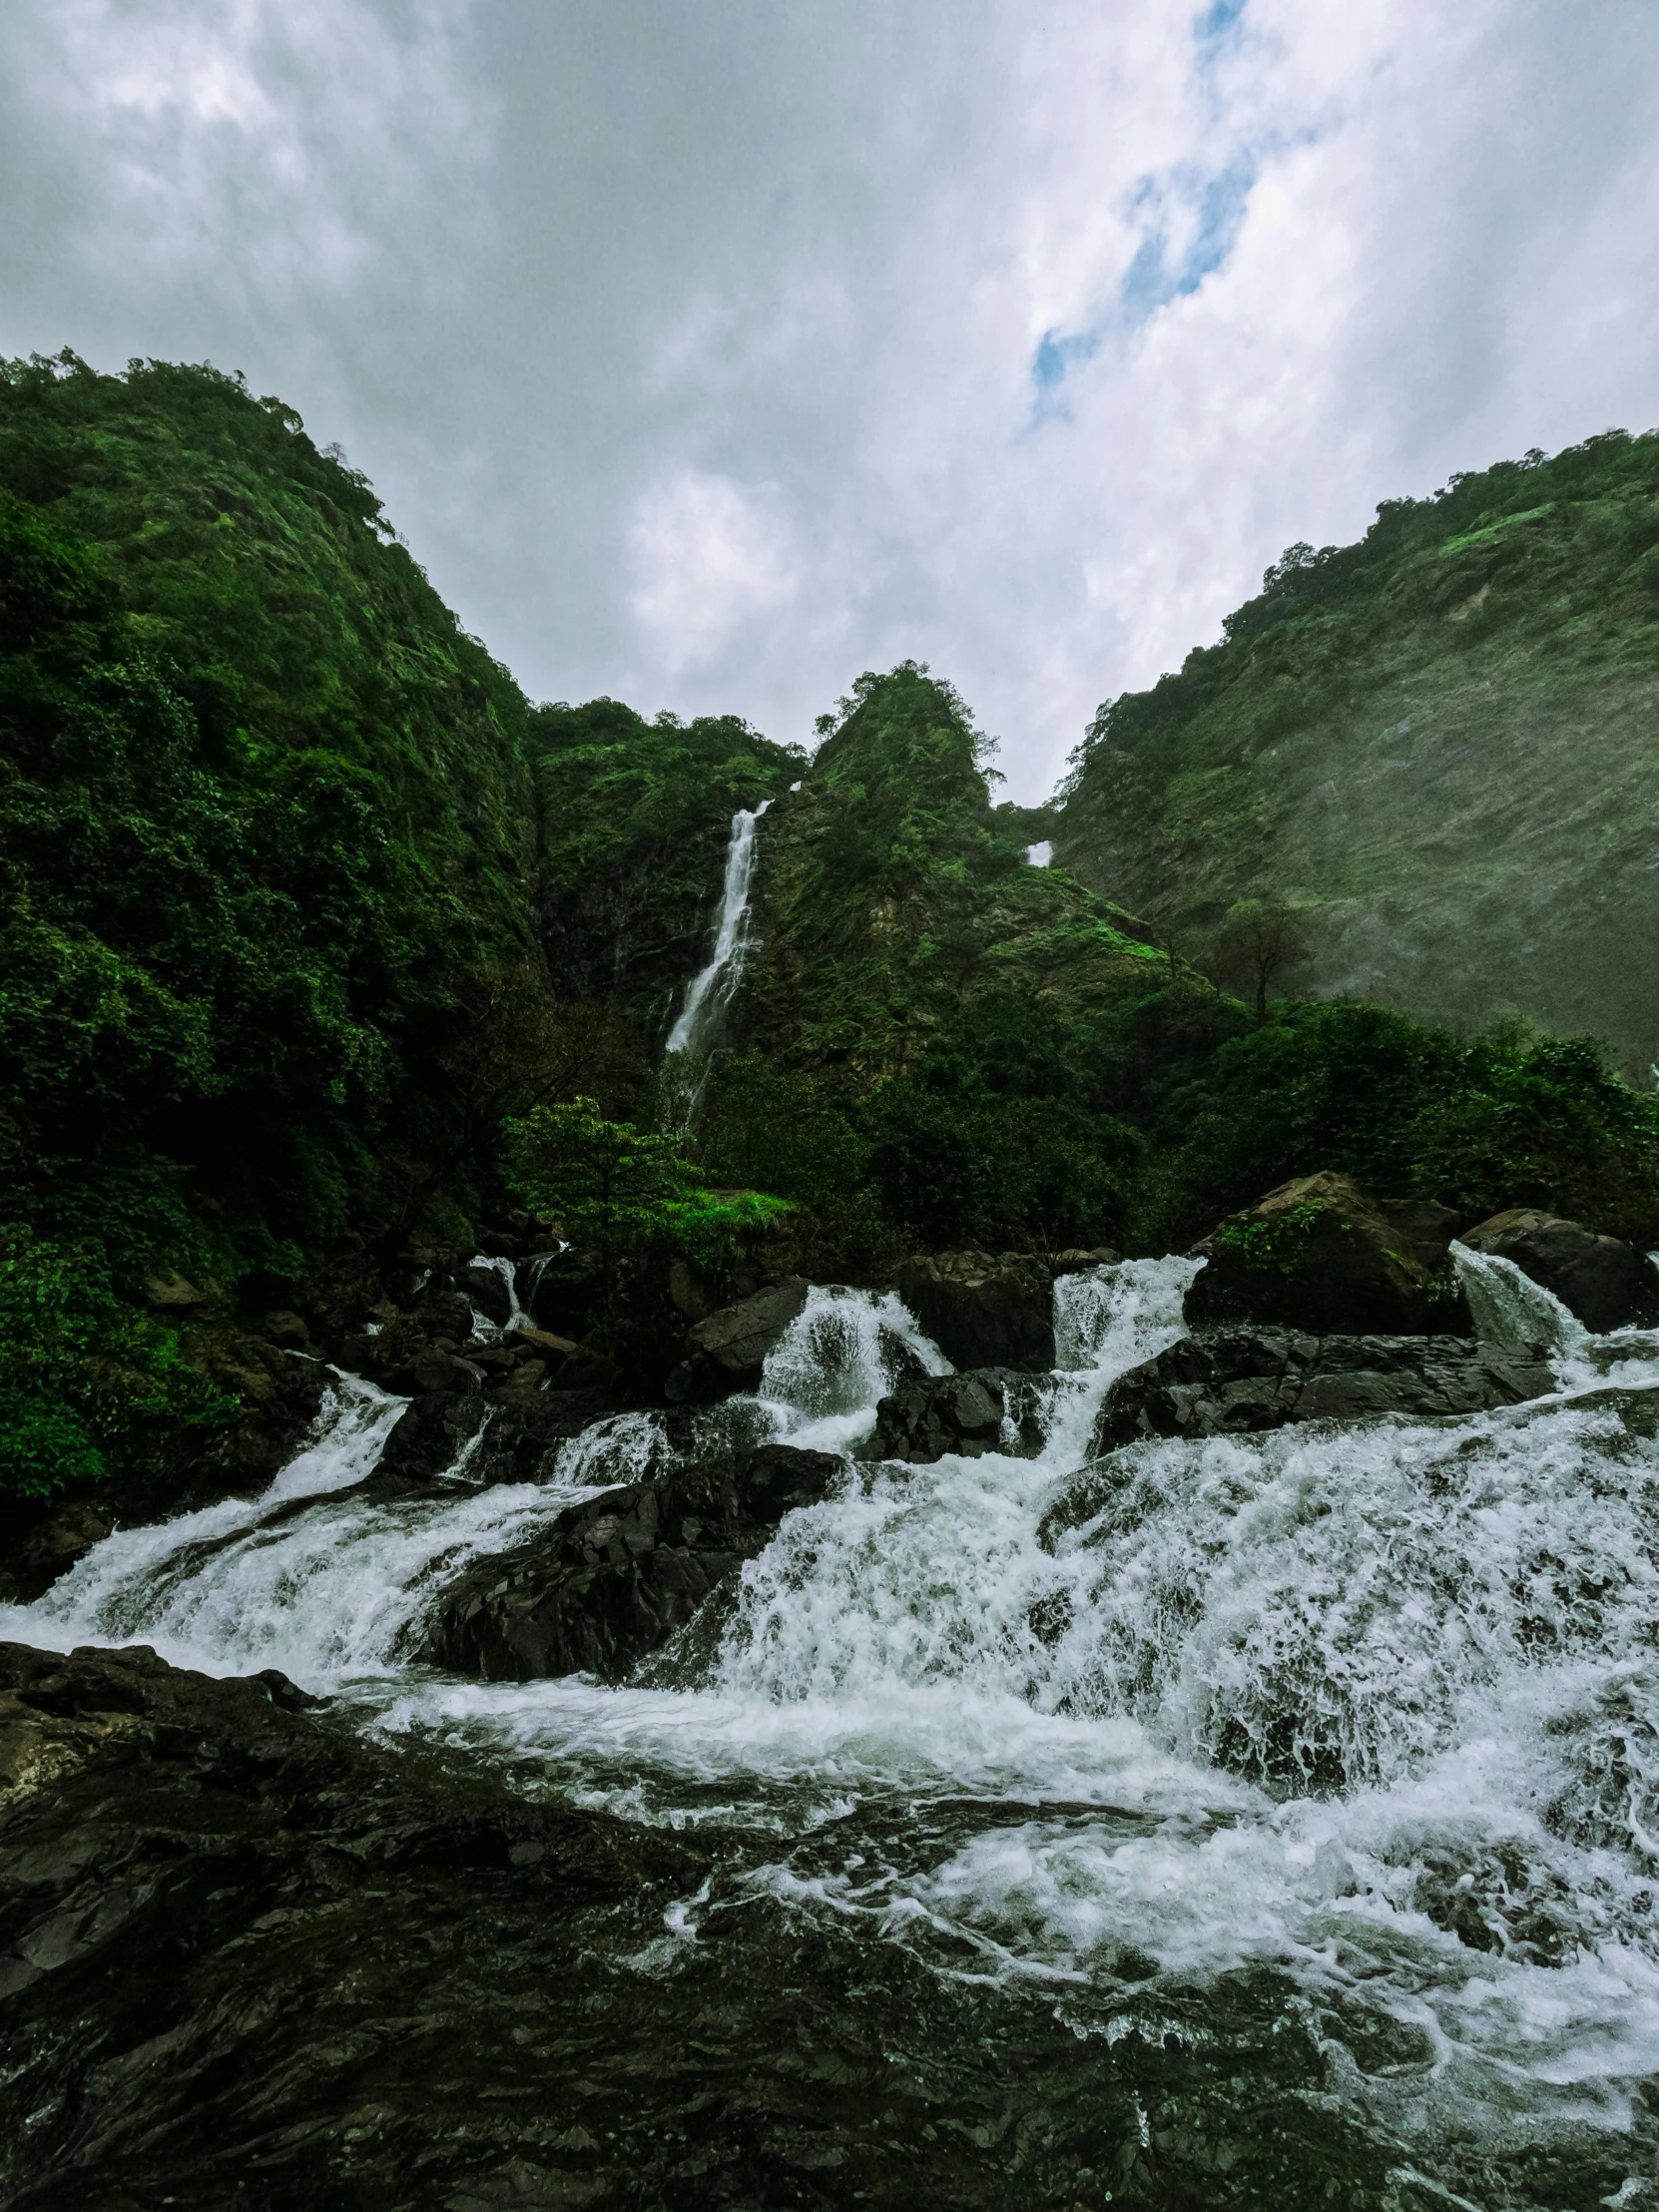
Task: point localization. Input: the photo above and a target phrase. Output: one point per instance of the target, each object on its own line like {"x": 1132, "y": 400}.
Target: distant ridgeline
{"x": 303, "y": 906}
{"x": 1437, "y": 748}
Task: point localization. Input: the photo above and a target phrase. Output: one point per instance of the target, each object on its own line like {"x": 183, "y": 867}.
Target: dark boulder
{"x": 984, "y": 1310}
{"x": 1078, "y": 1259}
{"x": 1230, "y": 1382}
{"x": 608, "y": 1581}
{"x": 50, "y": 1548}
{"x": 1608, "y": 1284}
{"x": 962, "y": 1413}
{"x": 488, "y": 1291}
{"x": 507, "y": 1435}
{"x": 1322, "y": 1255}
{"x": 727, "y": 1350}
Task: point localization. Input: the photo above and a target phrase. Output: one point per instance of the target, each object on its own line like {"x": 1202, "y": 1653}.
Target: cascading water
{"x": 712, "y": 988}
{"x": 1359, "y": 1724}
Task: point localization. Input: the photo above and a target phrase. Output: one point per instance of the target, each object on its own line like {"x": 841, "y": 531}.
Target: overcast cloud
{"x": 709, "y": 351}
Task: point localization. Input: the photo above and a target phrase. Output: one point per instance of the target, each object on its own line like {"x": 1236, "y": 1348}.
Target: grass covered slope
{"x": 636, "y": 818}
{"x": 261, "y": 804}
{"x": 1438, "y": 744}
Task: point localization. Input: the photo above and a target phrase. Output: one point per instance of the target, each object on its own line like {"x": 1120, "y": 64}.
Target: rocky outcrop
{"x": 968, "y": 1415}
{"x": 50, "y": 1548}
{"x": 1322, "y": 1255}
{"x": 1229, "y": 1381}
{"x": 727, "y": 1350}
{"x": 230, "y": 1928}
{"x": 610, "y": 1580}
{"x": 1608, "y": 1284}
{"x": 984, "y": 1310}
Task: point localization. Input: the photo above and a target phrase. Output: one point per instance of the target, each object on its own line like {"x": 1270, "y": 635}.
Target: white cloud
{"x": 695, "y": 351}
{"x": 708, "y": 556}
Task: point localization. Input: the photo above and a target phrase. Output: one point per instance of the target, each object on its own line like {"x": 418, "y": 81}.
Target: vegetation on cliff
{"x": 315, "y": 936}
{"x": 1434, "y": 746}
{"x": 261, "y": 802}
{"x": 635, "y": 818}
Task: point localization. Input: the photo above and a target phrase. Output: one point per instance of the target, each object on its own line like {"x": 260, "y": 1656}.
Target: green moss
{"x": 1274, "y": 1247}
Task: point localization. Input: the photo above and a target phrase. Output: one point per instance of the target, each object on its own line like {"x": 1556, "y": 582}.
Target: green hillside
{"x": 1438, "y": 746}
{"x": 306, "y": 915}
{"x": 265, "y": 821}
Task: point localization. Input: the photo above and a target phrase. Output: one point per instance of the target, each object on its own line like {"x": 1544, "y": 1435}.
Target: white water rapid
{"x": 714, "y": 987}
{"x": 1373, "y": 1710}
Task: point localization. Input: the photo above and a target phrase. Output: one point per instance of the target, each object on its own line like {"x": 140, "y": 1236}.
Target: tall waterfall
{"x": 714, "y": 987}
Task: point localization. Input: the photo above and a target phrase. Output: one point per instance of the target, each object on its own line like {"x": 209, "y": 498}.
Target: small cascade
{"x": 842, "y": 1353}
{"x": 1514, "y": 1313}
{"x": 490, "y": 1331}
{"x": 712, "y": 988}
{"x": 1369, "y": 1713}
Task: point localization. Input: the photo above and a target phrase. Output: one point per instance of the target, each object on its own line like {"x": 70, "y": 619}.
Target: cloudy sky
{"x": 709, "y": 351}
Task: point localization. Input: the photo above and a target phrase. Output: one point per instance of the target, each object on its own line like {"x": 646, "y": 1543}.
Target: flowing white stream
{"x": 1375, "y": 1709}
{"x": 712, "y": 988}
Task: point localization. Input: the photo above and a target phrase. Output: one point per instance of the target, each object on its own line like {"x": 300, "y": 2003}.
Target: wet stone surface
{"x": 250, "y": 1961}
{"x": 611, "y": 1579}
{"x": 1229, "y": 1381}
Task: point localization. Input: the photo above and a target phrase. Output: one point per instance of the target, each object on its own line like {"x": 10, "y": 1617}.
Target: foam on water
{"x": 845, "y": 1351}
{"x": 1376, "y": 1708}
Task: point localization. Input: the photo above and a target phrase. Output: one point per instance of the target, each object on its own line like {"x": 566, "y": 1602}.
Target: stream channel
{"x": 1268, "y": 1820}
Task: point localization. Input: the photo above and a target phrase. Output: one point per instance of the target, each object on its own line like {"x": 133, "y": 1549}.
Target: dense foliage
{"x": 313, "y": 934}
{"x": 260, "y": 802}
{"x": 635, "y": 821}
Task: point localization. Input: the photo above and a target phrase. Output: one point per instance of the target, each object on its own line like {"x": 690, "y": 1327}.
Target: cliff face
{"x": 895, "y": 910}
{"x": 635, "y": 820}
{"x": 1437, "y": 747}
{"x": 261, "y": 802}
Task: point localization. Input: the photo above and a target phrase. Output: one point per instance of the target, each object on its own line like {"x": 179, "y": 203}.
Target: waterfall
{"x": 712, "y": 988}
{"x": 1372, "y": 1710}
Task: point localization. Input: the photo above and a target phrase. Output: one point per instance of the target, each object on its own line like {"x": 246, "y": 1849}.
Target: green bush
{"x": 89, "y": 1388}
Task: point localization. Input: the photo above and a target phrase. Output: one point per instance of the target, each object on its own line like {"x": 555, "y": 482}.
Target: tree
{"x": 507, "y": 1046}
{"x": 610, "y": 1185}
{"x": 1260, "y": 939}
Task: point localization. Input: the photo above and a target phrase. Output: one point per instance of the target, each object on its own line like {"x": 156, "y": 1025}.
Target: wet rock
{"x": 288, "y": 1328}
{"x": 488, "y": 1291}
{"x": 51, "y": 1549}
{"x": 968, "y": 1414}
{"x": 1077, "y": 1260}
{"x": 1322, "y": 1255}
{"x": 245, "y": 1457}
{"x": 984, "y": 1310}
{"x": 217, "y": 1904}
{"x": 262, "y": 1963}
{"x": 431, "y": 1370}
{"x": 610, "y": 1580}
{"x": 431, "y": 1435}
{"x": 1230, "y": 1382}
{"x": 1606, "y": 1283}
{"x": 727, "y": 1351}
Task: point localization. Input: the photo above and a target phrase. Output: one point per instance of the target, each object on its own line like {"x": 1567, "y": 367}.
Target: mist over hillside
{"x": 1435, "y": 747}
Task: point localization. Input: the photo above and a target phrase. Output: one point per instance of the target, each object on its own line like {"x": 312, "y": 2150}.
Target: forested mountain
{"x": 303, "y": 908}
{"x": 1437, "y": 748}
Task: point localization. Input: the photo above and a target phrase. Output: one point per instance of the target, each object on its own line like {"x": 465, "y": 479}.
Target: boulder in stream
{"x": 727, "y": 1350}
{"x": 1606, "y": 1283}
{"x": 1230, "y": 1382}
{"x": 984, "y": 1310}
{"x": 1322, "y": 1255}
{"x": 962, "y": 1413}
{"x": 609, "y": 1580}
